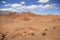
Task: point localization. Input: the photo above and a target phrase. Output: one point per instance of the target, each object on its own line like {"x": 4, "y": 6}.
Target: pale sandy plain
{"x": 29, "y": 26}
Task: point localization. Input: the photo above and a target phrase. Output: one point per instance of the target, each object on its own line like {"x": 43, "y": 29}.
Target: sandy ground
{"x": 29, "y": 26}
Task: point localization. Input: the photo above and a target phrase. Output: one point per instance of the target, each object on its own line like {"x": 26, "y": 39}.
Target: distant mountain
{"x": 23, "y": 14}
{"x": 28, "y": 14}
{"x": 5, "y": 12}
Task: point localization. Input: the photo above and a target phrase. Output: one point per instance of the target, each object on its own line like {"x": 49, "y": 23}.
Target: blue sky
{"x": 35, "y": 6}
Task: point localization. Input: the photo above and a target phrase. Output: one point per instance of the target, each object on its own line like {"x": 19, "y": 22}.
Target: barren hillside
{"x": 29, "y": 26}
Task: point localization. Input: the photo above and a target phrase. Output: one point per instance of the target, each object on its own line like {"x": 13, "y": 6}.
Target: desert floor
{"x": 28, "y": 26}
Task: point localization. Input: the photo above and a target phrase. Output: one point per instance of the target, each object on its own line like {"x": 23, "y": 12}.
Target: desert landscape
{"x": 29, "y": 26}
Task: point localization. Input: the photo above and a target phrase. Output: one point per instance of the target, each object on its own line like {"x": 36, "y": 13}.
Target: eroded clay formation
{"x": 29, "y": 26}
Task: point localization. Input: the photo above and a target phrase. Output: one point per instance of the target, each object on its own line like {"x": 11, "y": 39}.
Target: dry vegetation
{"x": 29, "y": 26}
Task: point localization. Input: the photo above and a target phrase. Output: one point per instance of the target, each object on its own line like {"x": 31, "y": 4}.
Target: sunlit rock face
{"x": 29, "y": 26}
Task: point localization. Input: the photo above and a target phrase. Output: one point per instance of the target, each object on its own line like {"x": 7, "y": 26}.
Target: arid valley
{"x": 29, "y": 26}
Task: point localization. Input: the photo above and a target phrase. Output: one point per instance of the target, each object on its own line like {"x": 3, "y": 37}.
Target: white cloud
{"x": 4, "y": 2}
{"x": 7, "y": 4}
{"x": 21, "y": 7}
{"x": 8, "y": 9}
{"x": 22, "y": 2}
{"x": 16, "y": 5}
{"x": 43, "y": 1}
{"x": 32, "y": 7}
{"x": 47, "y": 6}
